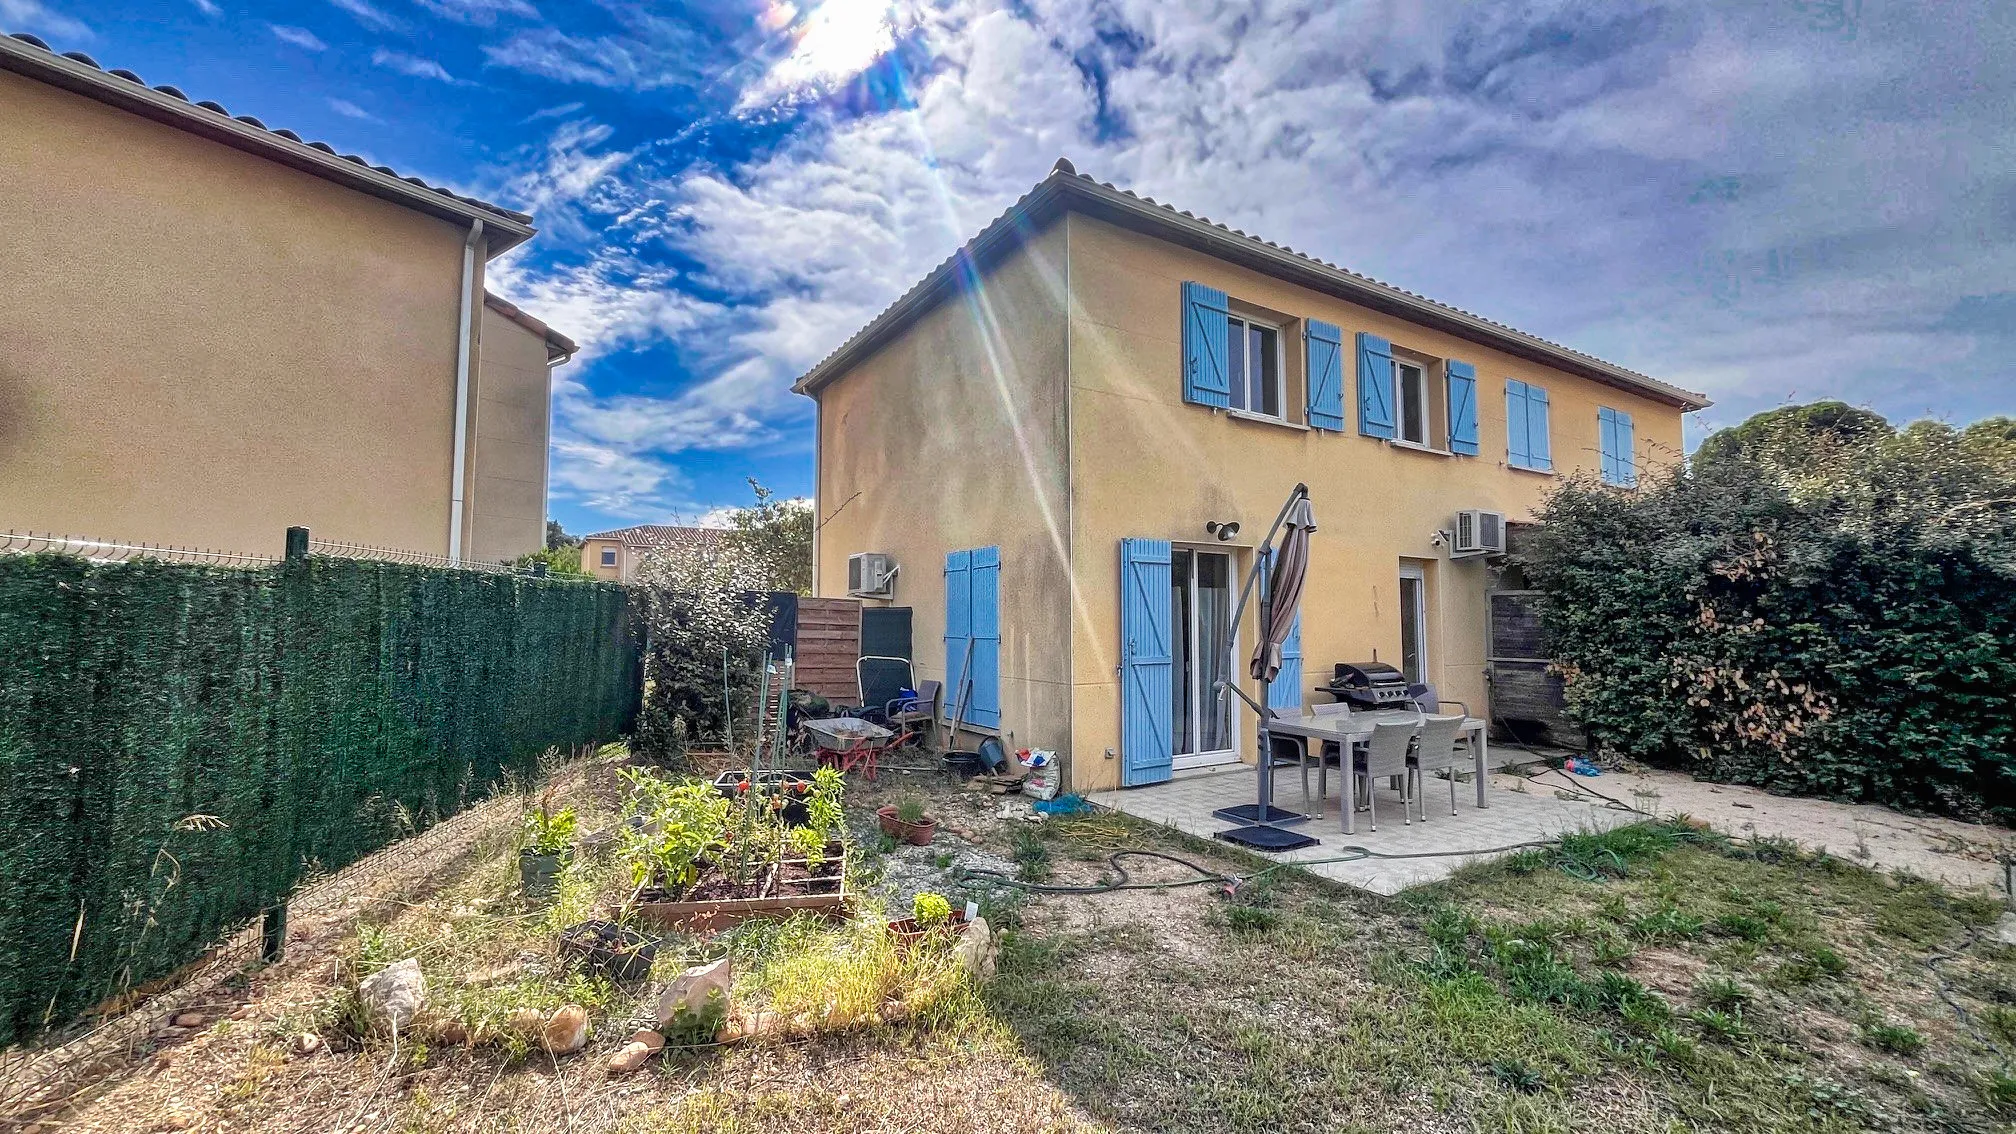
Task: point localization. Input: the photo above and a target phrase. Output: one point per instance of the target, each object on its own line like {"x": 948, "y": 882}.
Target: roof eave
{"x": 501, "y": 232}
{"x": 1062, "y": 190}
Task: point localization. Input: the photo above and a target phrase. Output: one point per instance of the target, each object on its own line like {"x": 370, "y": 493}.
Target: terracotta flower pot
{"x": 916, "y": 834}
{"x": 909, "y": 934}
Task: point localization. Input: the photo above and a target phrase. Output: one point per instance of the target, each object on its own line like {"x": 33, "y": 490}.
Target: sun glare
{"x": 836, "y": 41}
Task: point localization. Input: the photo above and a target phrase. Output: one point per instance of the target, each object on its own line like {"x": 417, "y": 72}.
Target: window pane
{"x": 1214, "y": 633}
{"x": 1179, "y": 609}
{"x": 1266, "y": 372}
{"x": 1413, "y": 404}
{"x": 1235, "y": 361}
{"x": 1413, "y": 616}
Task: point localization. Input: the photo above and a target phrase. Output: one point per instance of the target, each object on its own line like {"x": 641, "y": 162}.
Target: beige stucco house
{"x": 616, "y": 554}
{"x": 213, "y": 330}
{"x": 1047, "y": 436}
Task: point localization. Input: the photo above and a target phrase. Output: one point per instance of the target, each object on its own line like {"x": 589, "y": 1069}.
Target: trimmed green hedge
{"x": 1857, "y": 646}
{"x": 317, "y": 710}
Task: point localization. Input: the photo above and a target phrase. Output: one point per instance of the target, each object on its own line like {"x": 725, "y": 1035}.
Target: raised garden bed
{"x": 717, "y": 900}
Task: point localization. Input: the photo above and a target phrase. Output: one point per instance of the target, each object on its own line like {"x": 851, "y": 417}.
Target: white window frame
{"x": 1403, "y": 397}
{"x": 1280, "y": 376}
{"x": 1418, "y": 616}
{"x": 1201, "y": 699}
{"x": 608, "y": 557}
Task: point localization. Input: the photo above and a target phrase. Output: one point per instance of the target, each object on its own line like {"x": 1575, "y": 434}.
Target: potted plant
{"x": 608, "y": 949}
{"x": 929, "y": 914}
{"x": 548, "y": 838}
{"x": 908, "y": 821}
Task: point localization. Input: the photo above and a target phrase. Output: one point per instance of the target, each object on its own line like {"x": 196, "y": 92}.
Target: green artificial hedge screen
{"x": 180, "y": 744}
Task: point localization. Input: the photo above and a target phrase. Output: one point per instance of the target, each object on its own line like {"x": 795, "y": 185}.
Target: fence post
{"x": 539, "y": 569}
{"x": 273, "y": 919}
{"x": 273, "y": 927}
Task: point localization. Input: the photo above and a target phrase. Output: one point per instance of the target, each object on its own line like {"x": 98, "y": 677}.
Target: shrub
{"x": 1812, "y": 608}
{"x": 929, "y": 909}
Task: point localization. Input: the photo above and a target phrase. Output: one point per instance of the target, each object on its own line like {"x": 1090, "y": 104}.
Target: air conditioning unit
{"x": 871, "y": 574}
{"x": 1479, "y": 533}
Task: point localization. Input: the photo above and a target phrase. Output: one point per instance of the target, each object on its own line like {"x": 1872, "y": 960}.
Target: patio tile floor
{"x": 1186, "y": 804}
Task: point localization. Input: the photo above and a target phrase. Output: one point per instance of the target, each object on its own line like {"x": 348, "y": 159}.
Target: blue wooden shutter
{"x": 1205, "y": 311}
{"x": 1375, "y": 386}
{"x": 1325, "y": 375}
{"x": 1462, "y": 408}
{"x": 1536, "y": 428}
{"x": 973, "y": 615}
{"x": 1606, "y": 429}
{"x": 1147, "y": 663}
{"x": 958, "y": 628}
{"x": 1620, "y": 448}
{"x": 1518, "y": 449}
{"x": 1285, "y": 692}
{"x": 986, "y": 630}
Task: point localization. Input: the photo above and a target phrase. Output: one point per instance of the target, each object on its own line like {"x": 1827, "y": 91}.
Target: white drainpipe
{"x": 467, "y": 332}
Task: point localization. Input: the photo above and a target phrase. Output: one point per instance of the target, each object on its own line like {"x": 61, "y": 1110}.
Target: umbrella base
{"x": 1264, "y": 838}
{"x": 1251, "y": 813}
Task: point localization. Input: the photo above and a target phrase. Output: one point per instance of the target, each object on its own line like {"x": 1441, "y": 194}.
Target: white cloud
{"x": 482, "y": 13}
{"x": 35, "y": 16}
{"x": 368, "y": 14}
{"x": 349, "y": 109}
{"x": 412, "y": 65}
{"x": 1729, "y": 200}
{"x": 208, "y": 8}
{"x": 299, "y": 37}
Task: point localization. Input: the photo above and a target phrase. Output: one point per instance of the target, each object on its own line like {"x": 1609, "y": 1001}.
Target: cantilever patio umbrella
{"x": 1286, "y": 567}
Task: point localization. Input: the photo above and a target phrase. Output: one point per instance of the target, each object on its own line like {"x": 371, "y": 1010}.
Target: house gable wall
{"x": 507, "y": 505}
{"x": 205, "y": 347}
{"x": 952, "y": 436}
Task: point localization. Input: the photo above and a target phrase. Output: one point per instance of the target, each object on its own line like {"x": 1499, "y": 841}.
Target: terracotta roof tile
{"x": 1004, "y": 225}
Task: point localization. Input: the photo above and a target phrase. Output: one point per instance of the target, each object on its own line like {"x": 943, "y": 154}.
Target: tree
{"x": 1798, "y": 443}
{"x": 774, "y": 536}
{"x": 557, "y": 537}
{"x": 708, "y": 623}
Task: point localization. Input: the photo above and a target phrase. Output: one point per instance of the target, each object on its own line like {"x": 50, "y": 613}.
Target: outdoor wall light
{"x": 1225, "y": 532}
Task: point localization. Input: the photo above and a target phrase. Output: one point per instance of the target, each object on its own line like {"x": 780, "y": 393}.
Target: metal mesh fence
{"x": 180, "y": 741}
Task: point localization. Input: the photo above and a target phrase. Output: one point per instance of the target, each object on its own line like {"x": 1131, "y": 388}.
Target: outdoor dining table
{"x": 1347, "y": 729}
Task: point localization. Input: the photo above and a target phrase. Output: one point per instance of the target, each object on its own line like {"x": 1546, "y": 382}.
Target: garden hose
{"x": 1123, "y": 882}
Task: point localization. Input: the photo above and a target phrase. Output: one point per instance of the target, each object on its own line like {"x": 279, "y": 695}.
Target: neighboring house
{"x": 1040, "y": 431}
{"x": 616, "y": 554}
{"x": 214, "y": 331}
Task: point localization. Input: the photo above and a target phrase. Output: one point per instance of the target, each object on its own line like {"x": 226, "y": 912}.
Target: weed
{"x": 1638, "y": 1005}
{"x": 1897, "y": 1039}
{"x": 1669, "y": 923}
{"x": 885, "y": 844}
{"x": 1031, "y": 855}
{"x": 1612, "y": 853}
{"x": 1527, "y": 861}
{"x": 1773, "y": 850}
{"x": 1451, "y": 927}
{"x": 1745, "y": 926}
{"x": 1998, "y": 1090}
{"x": 1611, "y": 950}
{"x": 941, "y": 861}
{"x": 1811, "y": 964}
{"x": 1723, "y": 993}
{"x": 1670, "y": 1044}
{"x": 1251, "y": 920}
{"x": 1723, "y": 1027}
{"x": 2000, "y": 1019}
{"x": 1517, "y": 1075}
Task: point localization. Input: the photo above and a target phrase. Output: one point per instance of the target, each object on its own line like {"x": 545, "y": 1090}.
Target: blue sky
{"x": 1769, "y": 201}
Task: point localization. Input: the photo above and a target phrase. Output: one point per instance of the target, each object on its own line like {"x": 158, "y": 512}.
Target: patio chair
{"x": 1325, "y": 755}
{"x": 915, "y": 719}
{"x": 1435, "y": 751}
{"x": 1385, "y": 755}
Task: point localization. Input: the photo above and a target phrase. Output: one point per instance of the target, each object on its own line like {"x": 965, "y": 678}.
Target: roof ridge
{"x": 218, "y": 109}
{"x": 1064, "y": 170}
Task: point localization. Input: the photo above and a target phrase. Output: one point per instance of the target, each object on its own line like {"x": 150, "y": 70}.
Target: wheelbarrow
{"x": 847, "y": 743}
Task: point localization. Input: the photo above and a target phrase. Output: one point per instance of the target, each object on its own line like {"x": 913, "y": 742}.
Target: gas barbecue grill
{"x": 1369, "y": 685}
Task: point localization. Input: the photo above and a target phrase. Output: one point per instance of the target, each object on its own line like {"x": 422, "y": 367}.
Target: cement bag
{"x": 1044, "y": 773}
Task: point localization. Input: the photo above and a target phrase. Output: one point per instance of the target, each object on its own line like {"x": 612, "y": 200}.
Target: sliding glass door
{"x": 1200, "y": 598}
